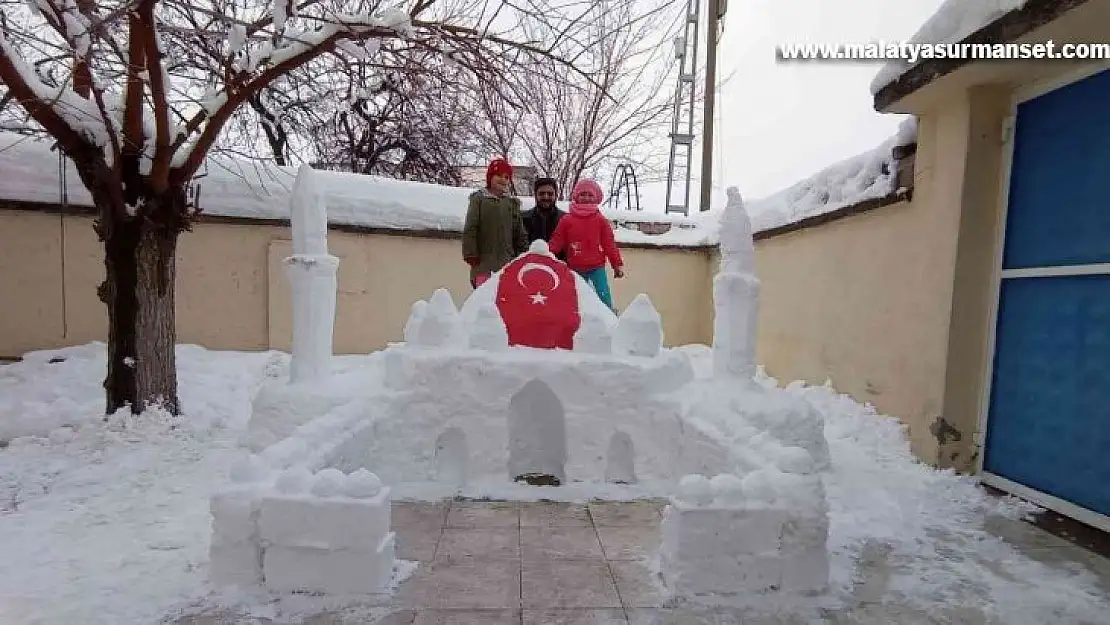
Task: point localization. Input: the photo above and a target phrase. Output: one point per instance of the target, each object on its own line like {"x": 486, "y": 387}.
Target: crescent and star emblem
{"x": 538, "y": 298}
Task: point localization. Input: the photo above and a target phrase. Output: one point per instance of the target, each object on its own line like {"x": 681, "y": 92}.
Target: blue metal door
{"x": 1048, "y": 426}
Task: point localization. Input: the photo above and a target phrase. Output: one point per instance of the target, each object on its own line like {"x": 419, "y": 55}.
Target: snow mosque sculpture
{"x": 532, "y": 388}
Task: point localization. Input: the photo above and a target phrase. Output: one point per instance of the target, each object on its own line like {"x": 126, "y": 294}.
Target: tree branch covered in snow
{"x": 138, "y": 93}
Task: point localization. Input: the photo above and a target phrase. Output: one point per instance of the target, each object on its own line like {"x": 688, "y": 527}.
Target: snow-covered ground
{"x": 108, "y": 522}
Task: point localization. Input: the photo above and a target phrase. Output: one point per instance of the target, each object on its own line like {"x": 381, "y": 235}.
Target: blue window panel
{"x": 1059, "y": 205}
{"x": 1049, "y": 422}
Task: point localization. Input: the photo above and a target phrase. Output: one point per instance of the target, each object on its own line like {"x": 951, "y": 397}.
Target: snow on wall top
{"x": 842, "y": 184}
{"x": 953, "y": 22}
{"x": 259, "y": 191}
{"x": 256, "y": 190}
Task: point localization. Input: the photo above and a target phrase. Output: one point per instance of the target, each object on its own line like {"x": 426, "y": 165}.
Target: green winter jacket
{"x": 493, "y": 232}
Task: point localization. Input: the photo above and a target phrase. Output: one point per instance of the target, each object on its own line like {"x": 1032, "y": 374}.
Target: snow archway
{"x": 537, "y": 435}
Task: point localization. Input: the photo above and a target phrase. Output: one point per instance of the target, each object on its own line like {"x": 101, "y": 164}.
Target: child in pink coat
{"x": 588, "y": 238}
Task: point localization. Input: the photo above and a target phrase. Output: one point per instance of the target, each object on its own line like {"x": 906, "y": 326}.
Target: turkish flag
{"x": 538, "y": 302}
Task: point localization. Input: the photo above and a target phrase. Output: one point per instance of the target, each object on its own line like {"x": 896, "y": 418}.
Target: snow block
{"x": 328, "y": 571}
{"x": 234, "y": 515}
{"x": 235, "y": 564}
{"x": 743, "y": 551}
{"x": 639, "y": 329}
{"x": 709, "y": 533}
{"x": 333, "y": 523}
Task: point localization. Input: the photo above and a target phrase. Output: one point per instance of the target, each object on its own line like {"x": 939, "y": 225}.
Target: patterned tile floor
{"x": 494, "y": 563}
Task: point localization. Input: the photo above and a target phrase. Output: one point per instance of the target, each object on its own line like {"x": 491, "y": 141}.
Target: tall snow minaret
{"x": 735, "y": 295}
{"x": 313, "y": 283}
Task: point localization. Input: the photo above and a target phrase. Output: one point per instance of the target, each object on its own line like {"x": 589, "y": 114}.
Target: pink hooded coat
{"x": 585, "y": 232}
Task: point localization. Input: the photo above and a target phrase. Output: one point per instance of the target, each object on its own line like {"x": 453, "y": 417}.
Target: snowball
{"x": 328, "y": 483}
{"x": 727, "y": 488}
{"x": 763, "y": 485}
{"x": 539, "y": 246}
{"x": 294, "y": 481}
{"x": 695, "y": 489}
{"x": 795, "y": 460}
{"x": 249, "y": 469}
{"x": 362, "y": 484}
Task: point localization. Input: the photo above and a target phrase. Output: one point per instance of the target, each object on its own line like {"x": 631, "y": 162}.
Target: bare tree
{"x": 612, "y": 103}
{"x": 137, "y": 93}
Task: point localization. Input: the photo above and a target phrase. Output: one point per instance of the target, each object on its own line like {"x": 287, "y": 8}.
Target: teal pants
{"x": 600, "y": 281}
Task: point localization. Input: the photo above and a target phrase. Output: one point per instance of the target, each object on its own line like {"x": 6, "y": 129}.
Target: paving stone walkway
{"x": 499, "y": 563}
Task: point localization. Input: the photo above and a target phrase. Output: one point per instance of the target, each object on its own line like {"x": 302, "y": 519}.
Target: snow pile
{"x": 869, "y": 175}
{"x": 260, "y": 190}
{"x": 954, "y": 21}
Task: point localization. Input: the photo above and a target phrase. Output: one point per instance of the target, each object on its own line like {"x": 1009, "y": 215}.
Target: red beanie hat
{"x": 498, "y": 166}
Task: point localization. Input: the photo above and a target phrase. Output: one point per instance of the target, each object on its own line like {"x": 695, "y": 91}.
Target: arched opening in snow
{"x": 537, "y": 436}
{"x": 452, "y": 457}
{"x": 620, "y": 460}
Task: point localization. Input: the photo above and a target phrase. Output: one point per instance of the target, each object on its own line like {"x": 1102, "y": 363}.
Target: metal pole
{"x": 710, "y": 102}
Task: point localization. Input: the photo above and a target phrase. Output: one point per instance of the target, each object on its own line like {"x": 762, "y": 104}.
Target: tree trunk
{"x": 139, "y": 291}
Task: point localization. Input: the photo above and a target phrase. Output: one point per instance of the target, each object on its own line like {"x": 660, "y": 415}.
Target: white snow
{"x": 639, "y": 330}
{"x": 842, "y": 184}
{"x": 256, "y": 190}
{"x": 735, "y": 295}
{"x": 113, "y": 526}
{"x": 953, "y": 22}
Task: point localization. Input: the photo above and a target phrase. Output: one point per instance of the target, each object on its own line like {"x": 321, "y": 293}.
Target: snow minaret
{"x": 735, "y": 295}
{"x": 312, "y": 280}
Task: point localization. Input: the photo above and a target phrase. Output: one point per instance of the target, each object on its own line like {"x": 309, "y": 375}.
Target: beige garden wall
{"x": 232, "y": 294}
{"x": 866, "y": 300}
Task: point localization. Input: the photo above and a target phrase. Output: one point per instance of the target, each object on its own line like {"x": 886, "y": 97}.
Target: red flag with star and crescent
{"x": 538, "y": 301}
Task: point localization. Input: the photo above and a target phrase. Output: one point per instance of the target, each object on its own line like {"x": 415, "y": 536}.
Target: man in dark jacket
{"x": 540, "y": 221}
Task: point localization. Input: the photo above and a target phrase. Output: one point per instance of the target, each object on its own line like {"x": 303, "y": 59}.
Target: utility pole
{"x": 716, "y": 12}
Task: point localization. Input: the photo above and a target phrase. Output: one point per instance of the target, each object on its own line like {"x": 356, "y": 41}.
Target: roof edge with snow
{"x": 1009, "y": 27}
